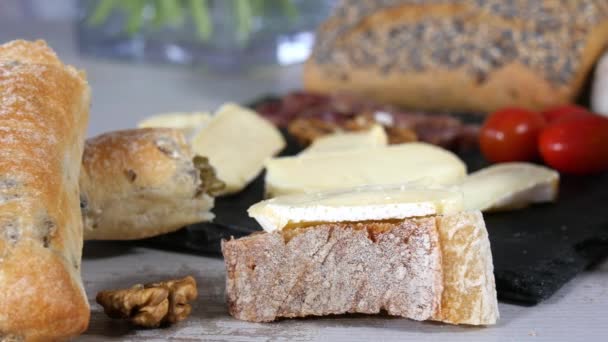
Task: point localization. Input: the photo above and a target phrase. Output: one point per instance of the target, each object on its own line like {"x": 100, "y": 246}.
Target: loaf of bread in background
{"x": 459, "y": 55}
{"x": 143, "y": 182}
{"x": 44, "y": 107}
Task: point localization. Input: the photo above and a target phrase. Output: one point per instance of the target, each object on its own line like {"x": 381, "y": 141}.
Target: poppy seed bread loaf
{"x": 459, "y": 55}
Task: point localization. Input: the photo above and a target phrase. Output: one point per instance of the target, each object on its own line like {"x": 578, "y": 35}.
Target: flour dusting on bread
{"x": 43, "y": 117}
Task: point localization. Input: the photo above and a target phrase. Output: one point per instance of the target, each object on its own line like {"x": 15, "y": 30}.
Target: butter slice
{"x": 189, "y": 123}
{"x": 395, "y": 164}
{"x": 356, "y": 204}
{"x": 237, "y": 142}
{"x": 374, "y": 137}
{"x": 509, "y": 186}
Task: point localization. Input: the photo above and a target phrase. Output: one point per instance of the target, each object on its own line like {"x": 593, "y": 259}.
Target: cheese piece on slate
{"x": 509, "y": 186}
{"x": 380, "y": 202}
{"x": 237, "y": 142}
{"x": 189, "y": 123}
{"x": 395, "y": 164}
{"x": 374, "y": 137}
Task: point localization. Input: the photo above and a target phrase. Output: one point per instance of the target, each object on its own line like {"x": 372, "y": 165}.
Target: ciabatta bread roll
{"x": 44, "y": 108}
{"x": 143, "y": 182}
{"x": 459, "y": 55}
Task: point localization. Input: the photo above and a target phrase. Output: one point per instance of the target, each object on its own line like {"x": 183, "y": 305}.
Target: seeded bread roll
{"x": 459, "y": 55}
{"x": 44, "y": 108}
{"x": 143, "y": 182}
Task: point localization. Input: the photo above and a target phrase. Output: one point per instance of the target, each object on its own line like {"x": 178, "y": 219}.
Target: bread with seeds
{"x": 44, "y": 109}
{"x": 144, "y": 182}
{"x": 459, "y": 55}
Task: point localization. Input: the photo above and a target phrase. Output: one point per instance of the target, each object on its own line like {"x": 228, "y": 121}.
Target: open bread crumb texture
{"x": 427, "y": 268}
{"x": 337, "y": 268}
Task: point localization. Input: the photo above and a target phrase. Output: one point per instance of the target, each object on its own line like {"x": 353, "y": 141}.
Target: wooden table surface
{"x": 578, "y": 312}
{"x": 124, "y": 93}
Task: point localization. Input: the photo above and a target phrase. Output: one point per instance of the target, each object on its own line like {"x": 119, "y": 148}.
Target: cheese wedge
{"x": 237, "y": 142}
{"x": 509, "y": 186}
{"x": 189, "y": 123}
{"x": 381, "y": 202}
{"x": 374, "y": 137}
{"x": 395, "y": 164}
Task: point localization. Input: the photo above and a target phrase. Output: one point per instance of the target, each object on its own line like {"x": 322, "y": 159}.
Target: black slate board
{"x": 536, "y": 250}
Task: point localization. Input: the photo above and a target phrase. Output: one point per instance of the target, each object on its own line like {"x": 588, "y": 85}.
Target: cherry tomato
{"x": 577, "y": 146}
{"x": 555, "y": 114}
{"x": 511, "y": 134}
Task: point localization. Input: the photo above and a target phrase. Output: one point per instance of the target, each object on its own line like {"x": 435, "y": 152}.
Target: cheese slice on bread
{"x": 355, "y": 204}
{"x": 407, "y": 250}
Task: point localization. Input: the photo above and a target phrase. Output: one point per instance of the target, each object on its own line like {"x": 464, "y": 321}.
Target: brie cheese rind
{"x": 395, "y": 164}
{"x": 374, "y": 137}
{"x": 509, "y": 186}
{"x": 237, "y": 142}
{"x": 357, "y": 204}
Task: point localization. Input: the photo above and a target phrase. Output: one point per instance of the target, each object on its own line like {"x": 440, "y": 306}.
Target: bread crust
{"x": 468, "y": 66}
{"x": 140, "y": 183}
{"x": 43, "y": 117}
{"x": 469, "y": 290}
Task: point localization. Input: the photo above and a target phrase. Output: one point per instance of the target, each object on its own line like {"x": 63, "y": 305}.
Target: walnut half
{"x": 151, "y": 305}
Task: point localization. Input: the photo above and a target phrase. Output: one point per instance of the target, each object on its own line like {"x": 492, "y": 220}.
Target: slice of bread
{"x": 409, "y": 250}
{"x": 336, "y": 268}
{"x": 426, "y": 268}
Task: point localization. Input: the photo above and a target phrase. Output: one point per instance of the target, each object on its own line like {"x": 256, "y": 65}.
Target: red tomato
{"x": 557, "y": 113}
{"x": 578, "y": 146}
{"x": 511, "y": 134}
